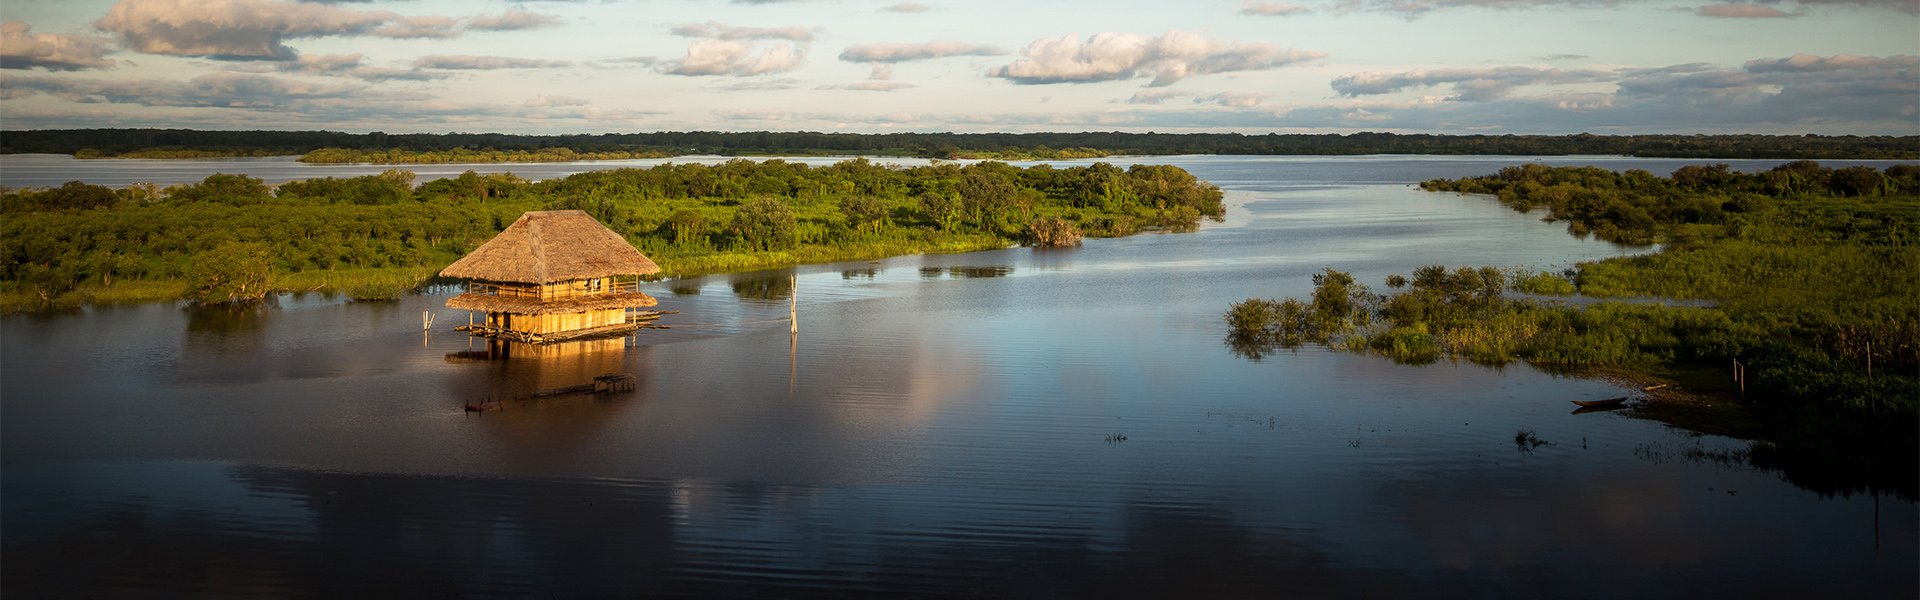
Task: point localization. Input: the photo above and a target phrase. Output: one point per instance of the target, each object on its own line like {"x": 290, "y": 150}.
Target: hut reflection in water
{"x": 508, "y": 372}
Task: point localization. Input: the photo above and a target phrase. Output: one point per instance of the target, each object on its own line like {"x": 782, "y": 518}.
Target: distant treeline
{"x": 398, "y": 156}
{"x": 124, "y": 142}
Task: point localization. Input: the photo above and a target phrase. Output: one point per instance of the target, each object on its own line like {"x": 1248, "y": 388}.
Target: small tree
{"x": 231, "y": 272}
{"x": 688, "y": 225}
{"x": 764, "y": 224}
{"x": 223, "y": 187}
{"x": 864, "y": 212}
{"x": 1053, "y": 232}
{"x": 1857, "y": 181}
{"x": 984, "y": 196}
{"x": 1340, "y": 303}
{"x": 941, "y": 209}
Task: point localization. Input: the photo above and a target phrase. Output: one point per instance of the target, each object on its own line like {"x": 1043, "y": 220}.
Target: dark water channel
{"x": 1014, "y": 423}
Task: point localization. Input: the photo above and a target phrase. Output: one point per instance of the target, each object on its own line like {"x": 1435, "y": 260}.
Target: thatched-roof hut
{"x": 553, "y": 275}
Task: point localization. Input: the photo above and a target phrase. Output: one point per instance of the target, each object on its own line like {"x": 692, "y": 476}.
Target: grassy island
{"x": 1804, "y": 275}
{"x": 380, "y": 235}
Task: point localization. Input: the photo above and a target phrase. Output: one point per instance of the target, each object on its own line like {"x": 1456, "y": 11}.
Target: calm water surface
{"x": 942, "y": 426}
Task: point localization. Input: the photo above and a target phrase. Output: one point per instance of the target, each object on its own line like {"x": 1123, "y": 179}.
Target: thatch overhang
{"x": 534, "y": 306}
{"x": 550, "y": 246}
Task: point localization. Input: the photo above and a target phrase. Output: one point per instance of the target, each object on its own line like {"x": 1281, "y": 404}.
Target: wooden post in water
{"x": 1740, "y": 376}
{"x": 793, "y": 307}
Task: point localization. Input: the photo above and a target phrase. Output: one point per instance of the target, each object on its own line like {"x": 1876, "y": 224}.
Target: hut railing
{"x": 488, "y": 289}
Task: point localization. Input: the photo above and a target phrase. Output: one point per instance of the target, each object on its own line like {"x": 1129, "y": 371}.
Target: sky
{"x": 1830, "y": 67}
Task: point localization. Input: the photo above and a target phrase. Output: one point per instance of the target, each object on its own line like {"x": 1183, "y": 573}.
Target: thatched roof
{"x": 533, "y": 306}
{"x": 549, "y": 246}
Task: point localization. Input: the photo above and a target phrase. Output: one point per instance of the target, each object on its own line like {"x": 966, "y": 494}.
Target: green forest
{"x": 187, "y": 143}
{"x": 379, "y": 235}
{"x": 1803, "y": 274}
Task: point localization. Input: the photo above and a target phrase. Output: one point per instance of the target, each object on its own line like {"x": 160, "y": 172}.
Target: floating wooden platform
{"x": 636, "y": 320}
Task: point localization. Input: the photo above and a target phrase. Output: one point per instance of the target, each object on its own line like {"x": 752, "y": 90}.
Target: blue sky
{"x": 1440, "y": 66}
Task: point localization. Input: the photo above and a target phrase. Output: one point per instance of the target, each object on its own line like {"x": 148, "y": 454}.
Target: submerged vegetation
{"x": 379, "y": 235}
{"x": 1807, "y": 275}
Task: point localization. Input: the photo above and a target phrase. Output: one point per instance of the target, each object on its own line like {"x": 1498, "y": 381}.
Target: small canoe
{"x": 1601, "y": 403}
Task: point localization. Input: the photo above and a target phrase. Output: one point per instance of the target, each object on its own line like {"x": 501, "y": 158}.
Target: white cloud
{"x": 230, "y": 29}
{"x": 259, "y": 29}
{"x": 1155, "y": 96}
{"x": 1743, "y": 11}
{"x": 871, "y": 85}
{"x": 1234, "y": 99}
{"x": 761, "y": 85}
{"x": 323, "y": 64}
{"x": 377, "y": 74}
{"x": 1468, "y": 84}
{"x": 1271, "y": 9}
{"x": 338, "y": 65}
{"x": 230, "y": 90}
{"x": 416, "y": 28}
{"x": 1117, "y": 56}
{"x": 906, "y": 7}
{"x": 1417, "y": 8}
{"x": 730, "y": 51}
{"x": 717, "y": 31}
{"x": 1837, "y": 62}
{"x": 512, "y": 20}
{"x": 726, "y": 57}
{"x": 462, "y": 62}
{"x": 898, "y": 52}
{"x": 20, "y": 48}
{"x": 1869, "y": 94}
{"x": 541, "y": 101}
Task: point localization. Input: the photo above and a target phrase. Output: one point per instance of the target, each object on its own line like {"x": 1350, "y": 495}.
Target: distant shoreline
{"x": 187, "y": 143}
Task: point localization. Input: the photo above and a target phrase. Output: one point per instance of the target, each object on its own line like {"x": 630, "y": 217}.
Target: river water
{"x": 1012, "y": 423}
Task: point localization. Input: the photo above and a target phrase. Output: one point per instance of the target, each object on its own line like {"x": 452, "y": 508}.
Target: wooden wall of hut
{"x": 558, "y": 322}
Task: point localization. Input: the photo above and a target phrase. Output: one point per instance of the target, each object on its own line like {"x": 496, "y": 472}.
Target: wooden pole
{"x": 793, "y": 308}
